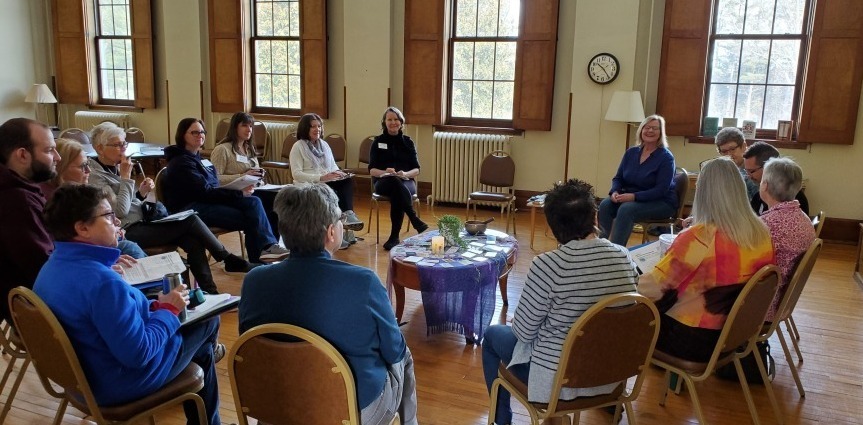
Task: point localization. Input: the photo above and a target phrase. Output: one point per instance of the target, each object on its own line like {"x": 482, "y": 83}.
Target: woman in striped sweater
{"x": 561, "y": 285}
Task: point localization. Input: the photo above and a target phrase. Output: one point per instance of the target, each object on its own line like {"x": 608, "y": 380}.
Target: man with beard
{"x": 28, "y": 156}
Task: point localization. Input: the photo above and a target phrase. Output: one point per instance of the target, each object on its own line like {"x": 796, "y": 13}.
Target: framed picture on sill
{"x": 784, "y": 130}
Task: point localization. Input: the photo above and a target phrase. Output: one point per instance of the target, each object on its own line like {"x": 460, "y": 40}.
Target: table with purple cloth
{"x": 458, "y": 288}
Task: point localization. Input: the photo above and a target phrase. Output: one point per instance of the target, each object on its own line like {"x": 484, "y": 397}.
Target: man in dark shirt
{"x": 28, "y": 156}
{"x": 753, "y": 163}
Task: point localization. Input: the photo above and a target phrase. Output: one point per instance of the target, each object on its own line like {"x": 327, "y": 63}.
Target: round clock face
{"x": 603, "y": 68}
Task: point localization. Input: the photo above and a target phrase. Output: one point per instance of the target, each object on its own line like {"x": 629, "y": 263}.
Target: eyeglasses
{"x": 752, "y": 171}
{"x": 85, "y": 167}
{"x": 121, "y": 145}
{"x": 727, "y": 151}
{"x": 198, "y": 133}
{"x": 110, "y": 215}
{"x": 651, "y": 127}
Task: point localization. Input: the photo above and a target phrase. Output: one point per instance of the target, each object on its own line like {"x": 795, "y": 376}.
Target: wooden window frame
{"x": 253, "y": 71}
{"x": 102, "y": 99}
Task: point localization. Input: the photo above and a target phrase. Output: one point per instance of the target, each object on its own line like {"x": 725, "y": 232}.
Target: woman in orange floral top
{"x": 695, "y": 279}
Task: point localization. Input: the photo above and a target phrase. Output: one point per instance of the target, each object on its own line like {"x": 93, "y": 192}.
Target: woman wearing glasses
{"x": 193, "y": 183}
{"x": 112, "y": 169}
{"x": 643, "y": 187}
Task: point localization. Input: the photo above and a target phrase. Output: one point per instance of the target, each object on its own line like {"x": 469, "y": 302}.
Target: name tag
{"x": 242, "y": 158}
{"x": 207, "y": 163}
{"x": 382, "y": 145}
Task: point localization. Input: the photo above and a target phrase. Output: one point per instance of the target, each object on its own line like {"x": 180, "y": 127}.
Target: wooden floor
{"x": 449, "y": 373}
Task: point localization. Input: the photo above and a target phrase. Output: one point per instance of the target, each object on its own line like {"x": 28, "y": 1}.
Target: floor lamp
{"x": 625, "y": 107}
{"x": 40, "y": 94}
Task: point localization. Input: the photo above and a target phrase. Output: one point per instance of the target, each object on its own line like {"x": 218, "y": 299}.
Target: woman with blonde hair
{"x": 725, "y": 246}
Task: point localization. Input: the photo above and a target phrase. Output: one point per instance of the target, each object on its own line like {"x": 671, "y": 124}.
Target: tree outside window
{"x": 114, "y": 47}
{"x": 276, "y": 55}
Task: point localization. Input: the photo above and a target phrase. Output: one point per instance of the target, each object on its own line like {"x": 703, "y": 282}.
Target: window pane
{"x": 264, "y": 18}
{"x": 729, "y": 16}
{"x": 482, "y": 96}
{"x": 508, "y": 20}
{"x": 280, "y": 56}
{"x": 263, "y": 92}
{"x": 753, "y": 67}
{"x": 282, "y": 19}
{"x": 503, "y": 99}
{"x": 789, "y": 17}
{"x": 106, "y": 19}
{"x": 461, "y": 99}
{"x": 295, "y": 90}
{"x": 466, "y": 18}
{"x": 783, "y": 62}
{"x": 107, "y": 89}
{"x": 759, "y": 16}
{"x": 462, "y": 61}
{"x": 294, "y": 18}
{"x": 721, "y": 103}
{"x": 294, "y": 57}
{"x": 726, "y": 61}
{"x": 121, "y": 21}
{"x": 487, "y": 18}
{"x": 777, "y": 105}
{"x": 750, "y": 103}
{"x": 262, "y": 56}
{"x": 483, "y": 63}
{"x": 505, "y": 61}
{"x": 281, "y": 91}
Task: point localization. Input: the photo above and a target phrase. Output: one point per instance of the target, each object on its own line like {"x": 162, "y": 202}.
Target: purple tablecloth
{"x": 458, "y": 294}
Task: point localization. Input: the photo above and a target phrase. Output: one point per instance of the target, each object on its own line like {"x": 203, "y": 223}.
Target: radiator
{"x": 86, "y": 120}
{"x": 457, "y": 160}
{"x": 278, "y": 131}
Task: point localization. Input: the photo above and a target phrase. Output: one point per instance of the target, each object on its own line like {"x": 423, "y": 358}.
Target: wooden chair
{"x": 498, "y": 171}
{"x": 134, "y": 135}
{"x": 786, "y": 307}
{"x": 339, "y": 147}
{"x": 681, "y": 187}
{"x": 741, "y": 329}
{"x": 76, "y": 134}
{"x": 12, "y": 345}
{"x": 818, "y": 223}
{"x": 61, "y": 374}
{"x": 610, "y": 343}
{"x": 363, "y": 159}
{"x": 282, "y": 168}
{"x": 217, "y": 231}
{"x": 302, "y": 382}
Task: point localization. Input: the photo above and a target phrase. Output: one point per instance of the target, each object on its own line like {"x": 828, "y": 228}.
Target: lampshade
{"x": 40, "y": 93}
{"x": 625, "y": 106}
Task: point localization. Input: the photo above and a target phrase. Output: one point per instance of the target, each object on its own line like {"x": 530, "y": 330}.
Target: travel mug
{"x": 169, "y": 282}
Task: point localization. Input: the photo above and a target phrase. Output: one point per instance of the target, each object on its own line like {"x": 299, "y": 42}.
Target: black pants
{"x": 190, "y": 234}
{"x": 345, "y": 191}
{"x": 686, "y": 342}
{"x": 401, "y": 194}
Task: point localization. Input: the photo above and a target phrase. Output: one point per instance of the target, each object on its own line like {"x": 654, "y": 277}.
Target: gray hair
{"x": 729, "y": 134}
{"x": 104, "y": 132}
{"x": 663, "y": 139}
{"x": 783, "y": 177}
{"x": 721, "y": 202}
{"x": 305, "y": 212}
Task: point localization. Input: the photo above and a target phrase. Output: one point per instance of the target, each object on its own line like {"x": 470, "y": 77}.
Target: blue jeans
{"x": 198, "y": 342}
{"x": 624, "y": 215}
{"x": 131, "y": 249}
{"x": 246, "y": 214}
{"x": 497, "y": 347}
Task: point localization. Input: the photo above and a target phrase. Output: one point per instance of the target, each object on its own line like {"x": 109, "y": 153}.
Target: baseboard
{"x": 841, "y": 230}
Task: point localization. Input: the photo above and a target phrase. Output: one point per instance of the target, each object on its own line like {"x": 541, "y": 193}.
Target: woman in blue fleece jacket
{"x": 128, "y": 346}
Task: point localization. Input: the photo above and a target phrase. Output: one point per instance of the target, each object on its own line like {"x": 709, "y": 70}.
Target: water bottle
{"x": 169, "y": 282}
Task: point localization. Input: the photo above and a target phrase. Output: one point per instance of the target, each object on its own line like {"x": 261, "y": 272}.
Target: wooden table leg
{"x": 400, "y": 302}
{"x": 502, "y": 283}
{"x": 532, "y": 224}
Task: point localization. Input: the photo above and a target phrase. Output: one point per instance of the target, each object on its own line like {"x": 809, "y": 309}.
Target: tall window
{"x": 276, "y": 55}
{"x": 757, "y": 59}
{"x": 482, "y": 68}
{"x": 114, "y": 47}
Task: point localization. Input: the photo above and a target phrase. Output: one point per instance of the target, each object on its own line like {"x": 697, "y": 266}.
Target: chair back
{"x": 261, "y": 138}
{"x": 497, "y": 170}
{"x": 158, "y": 190}
{"x": 76, "y": 134}
{"x": 303, "y": 382}
{"x": 222, "y": 129}
{"x": 798, "y": 281}
{"x": 681, "y": 187}
{"x": 748, "y": 311}
{"x": 134, "y": 135}
{"x": 818, "y": 223}
{"x": 339, "y": 146}
{"x": 365, "y": 154}
{"x": 611, "y": 342}
{"x": 287, "y": 144}
{"x": 51, "y": 351}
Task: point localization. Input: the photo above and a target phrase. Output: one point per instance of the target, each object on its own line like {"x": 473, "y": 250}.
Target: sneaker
{"x": 218, "y": 352}
{"x": 273, "y": 253}
{"x": 352, "y": 222}
{"x": 235, "y": 264}
{"x": 345, "y": 245}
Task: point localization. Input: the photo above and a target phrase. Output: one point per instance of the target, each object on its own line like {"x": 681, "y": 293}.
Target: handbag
{"x": 153, "y": 211}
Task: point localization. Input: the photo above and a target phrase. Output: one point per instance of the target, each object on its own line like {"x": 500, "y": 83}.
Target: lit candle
{"x": 437, "y": 244}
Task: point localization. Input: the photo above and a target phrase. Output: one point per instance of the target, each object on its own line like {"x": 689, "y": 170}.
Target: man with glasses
{"x": 753, "y": 165}
{"x": 730, "y": 142}
{"x": 28, "y": 155}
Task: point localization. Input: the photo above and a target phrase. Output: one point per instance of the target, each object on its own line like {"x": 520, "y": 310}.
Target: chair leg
{"x": 14, "y": 390}
{"x": 377, "y": 222}
{"x": 793, "y": 327}
{"x": 768, "y": 386}
{"x": 61, "y": 410}
{"x": 492, "y": 409}
{"x": 467, "y": 210}
{"x": 790, "y": 362}
{"x": 630, "y": 414}
{"x": 794, "y": 342}
{"x": 243, "y": 244}
{"x": 745, "y": 386}
{"x": 696, "y": 403}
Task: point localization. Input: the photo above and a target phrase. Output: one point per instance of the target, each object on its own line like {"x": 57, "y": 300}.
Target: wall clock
{"x": 603, "y": 68}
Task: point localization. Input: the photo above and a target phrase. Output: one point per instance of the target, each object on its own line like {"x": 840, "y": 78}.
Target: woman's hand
{"x": 248, "y": 191}
{"x": 335, "y": 175}
{"x": 146, "y": 186}
{"x": 622, "y": 197}
{"x": 179, "y": 297}
{"x": 125, "y": 167}
{"x": 257, "y": 172}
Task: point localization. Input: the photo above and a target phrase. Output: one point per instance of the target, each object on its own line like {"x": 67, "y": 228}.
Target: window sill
{"x": 114, "y": 108}
{"x": 472, "y": 129}
{"x": 781, "y": 144}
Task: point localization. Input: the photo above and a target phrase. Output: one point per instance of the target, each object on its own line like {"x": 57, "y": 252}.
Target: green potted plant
{"x": 450, "y": 227}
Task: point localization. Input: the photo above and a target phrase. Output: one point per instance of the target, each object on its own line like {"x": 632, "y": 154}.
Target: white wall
{"x": 21, "y": 43}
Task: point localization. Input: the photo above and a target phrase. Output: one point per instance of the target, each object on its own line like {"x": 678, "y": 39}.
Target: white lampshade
{"x": 40, "y": 93}
{"x": 625, "y": 106}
